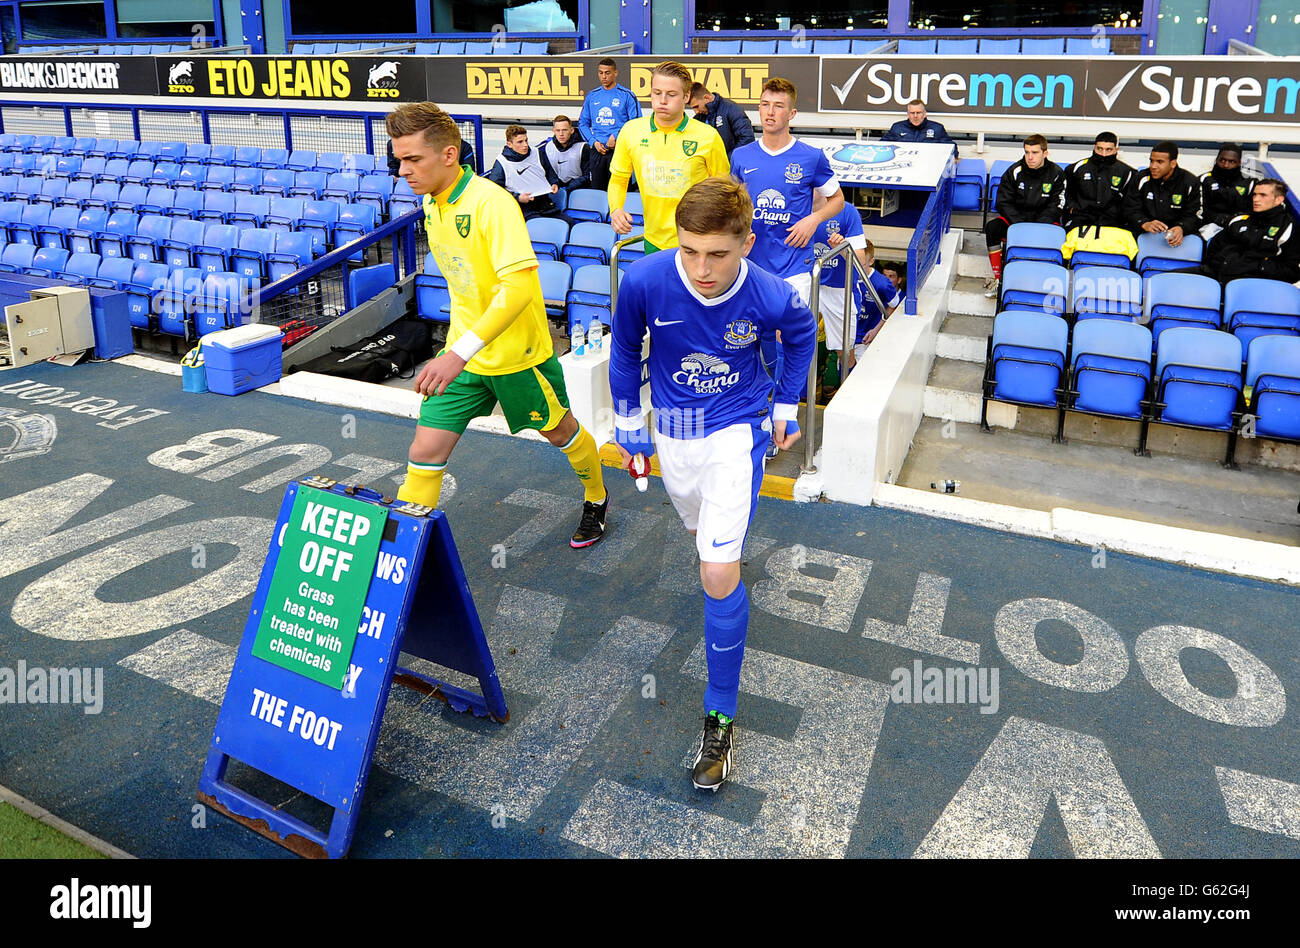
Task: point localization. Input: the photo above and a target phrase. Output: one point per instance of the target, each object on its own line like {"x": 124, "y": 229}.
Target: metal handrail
{"x": 849, "y": 331}
{"x": 338, "y": 255}
{"x": 613, "y": 267}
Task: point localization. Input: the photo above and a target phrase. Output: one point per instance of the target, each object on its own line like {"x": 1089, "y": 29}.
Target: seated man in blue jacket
{"x": 916, "y": 127}
{"x": 725, "y": 116}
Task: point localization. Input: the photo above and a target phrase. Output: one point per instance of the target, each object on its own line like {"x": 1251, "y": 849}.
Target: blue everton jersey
{"x": 869, "y": 314}
{"x": 705, "y": 369}
{"x": 781, "y": 186}
{"x": 848, "y": 224}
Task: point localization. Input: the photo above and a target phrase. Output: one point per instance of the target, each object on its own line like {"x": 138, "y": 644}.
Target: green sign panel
{"x": 313, "y": 607}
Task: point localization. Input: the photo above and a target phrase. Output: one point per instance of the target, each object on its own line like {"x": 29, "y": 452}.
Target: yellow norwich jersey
{"x": 667, "y": 161}
{"x": 477, "y": 234}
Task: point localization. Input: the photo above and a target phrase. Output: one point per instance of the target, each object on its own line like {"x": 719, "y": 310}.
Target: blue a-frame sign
{"x": 271, "y": 717}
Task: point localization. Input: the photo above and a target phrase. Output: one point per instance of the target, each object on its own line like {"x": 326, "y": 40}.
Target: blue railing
{"x": 923, "y": 249}
{"x": 320, "y": 292}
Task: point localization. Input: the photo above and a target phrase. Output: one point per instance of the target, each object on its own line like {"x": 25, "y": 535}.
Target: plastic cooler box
{"x": 241, "y": 359}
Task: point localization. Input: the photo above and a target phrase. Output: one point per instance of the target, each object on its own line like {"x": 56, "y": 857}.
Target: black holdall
{"x": 393, "y": 351}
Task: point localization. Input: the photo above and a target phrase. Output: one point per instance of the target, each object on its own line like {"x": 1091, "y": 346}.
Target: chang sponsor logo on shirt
{"x": 820, "y": 250}
{"x": 769, "y": 207}
{"x": 705, "y": 374}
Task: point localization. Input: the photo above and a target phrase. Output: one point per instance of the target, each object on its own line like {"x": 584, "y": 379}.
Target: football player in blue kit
{"x": 705, "y": 308}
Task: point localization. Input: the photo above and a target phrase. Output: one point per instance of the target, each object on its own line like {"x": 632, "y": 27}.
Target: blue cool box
{"x": 241, "y": 359}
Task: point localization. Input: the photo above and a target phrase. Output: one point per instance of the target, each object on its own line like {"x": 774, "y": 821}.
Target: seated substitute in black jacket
{"x": 916, "y": 127}
{"x": 726, "y": 117}
{"x": 1165, "y": 199}
{"x": 1032, "y": 190}
{"x": 1225, "y": 191}
{"x": 1095, "y": 186}
{"x": 1264, "y": 243}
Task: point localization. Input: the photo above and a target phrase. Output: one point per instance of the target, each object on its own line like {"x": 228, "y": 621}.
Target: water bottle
{"x": 948, "y": 487}
{"x": 595, "y": 338}
{"x": 578, "y": 340}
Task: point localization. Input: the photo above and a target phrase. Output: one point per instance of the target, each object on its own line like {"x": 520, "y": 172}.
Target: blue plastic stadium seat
{"x": 308, "y": 185}
{"x": 197, "y": 153}
{"x": 62, "y": 220}
{"x": 143, "y": 245}
{"x": 432, "y": 298}
{"x": 589, "y": 297}
{"x": 329, "y": 161}
{"x": 114, "y": 273}
{"x": 634, "y": 209}
{"x": 589, "y": 241}
{"x": 1034, "y": 286}
{"x": 347, "y": 47}
{"x": 787, "y": 47}
{"x": 318, "y": 219}
{"x": 375, "y": 190}
{"x": 248, "y": 258}
{"x": 91, "y": 168}
{"x": 33, "y": 217}
{"x": 507, "y": 48}
{"x": 1182, "y": 299}
{"x": 365, "y": 283}
{"x": 555, "y": 278}
{"x": 1258, "y": 307}
{"x": 402, "y": 200}
{"x": 247, "y": 156}
{"x": 277, "y": 181}
{"x": 82, "y": 268}
{"x": 535, "y": 47}
{"x": 245, "y": 179}
{"x": 588, "y": 204}
{"x": 159, "y": 200}
{"x": 1053, "y": 46}
{"x": 1087, "y": 46}
{"x": 213, "y": 255}
{"x": 48, "y": 262}
{"x": 756, "y": 47}
{"x": 355, "y": 221}
{"x": 958, "y": 47}
{"x": 1110, "y": 364}
{"x": 548, "y": 235}
{"x": 250, "y": 210}
{"x": 721, "y": 47}
{"x": 78, "y": 192}
{"x": 999, "y": 47}
{"x": 968, "y": 187}
{"x": 341, "y": 187}
{"x": 1030, "y": 241}
{"x": 301, "y": 159}
{"x": 861, "y": 47}
{"x": 831, "y": 47}
{"x": 284, "y": 214}
{"x": 1154, "y": 253}
{"x": 1027, "y": 358}
{"x": 111, "y": 241}
{"x": 84, "y": 237}
{"x": 293, "y": 251}
{"x": 147, "y": 281}
{"x": 427, "y": 49}
{"x": 1108, "y": 292}
{"x": 177, "y": 250}
{"x": 17, "y": 257}
{"x": 222, "y": 177}
{"x": 454, "y": 48}
{"x": 358, "y": 163}
{"x": 52, "y": 191}
{"x": 273, "y": 158}
{"x": 1198, "y": 377}
{"x": 1273, "y": 374}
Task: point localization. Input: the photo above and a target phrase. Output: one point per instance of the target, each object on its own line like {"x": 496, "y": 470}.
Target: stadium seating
{"x": 634, "y": 208}
{"x": 1108, "y": 292}
{"x": 1257, "y": 307}
{"x": 724, "y": 47}
{"x": 432, "y": 298}
{"x": 1273, "y": 378}
{"x": 1198, "y": 378}
{"x": 284, "y": 214}
{"x": 111, "y": 241}
{"x": 213, "y": 255}
{"x": 589, "y": 241}
{"x": 756, "y": 47}
{"x": 84, "y": 237}
{"x": 147, "y": 281}
{"x": 1025, "y": 361}
{"x": 355, "y": 221}
{"x": 588, "y": 297}
{"x": 968, "y": 188}
{"x": 1087, "y": 46}
{"x": 999, "y": 47}
{"x": 1034, "y": 286}
{"x": 1110, "y": 368}
{"x": 1182, "y": 299}
{"x": 142, "y": 246}
{"x": 1029, "y": 241}
{"x": 248, "y": 257}
{"x": 48, "y": 262}
{"x": 548, "y": 235}
{"x": 958, "y": 47}
{"x": 82, "y": 268}
{"x": 293, "y": 251}
{"x": 177, "y": 250}
{"x": 588, "y": 204}
{"x": 831, "y": 47}
{"x": 1155, "y": 255}
{"x": 555, "y": 278}
{"x": 16, "y": 258}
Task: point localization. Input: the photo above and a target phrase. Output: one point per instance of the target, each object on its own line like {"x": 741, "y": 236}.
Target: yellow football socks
{"x": 423, "y": 483}
{"x": 582, "y": 455}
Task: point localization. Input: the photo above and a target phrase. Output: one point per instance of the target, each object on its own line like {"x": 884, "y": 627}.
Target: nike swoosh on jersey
{"x": 671, "y": 322}
{"x": 748, "y": 170}
{"x": 727, "y": 649}
{"x": 724, "y": 542}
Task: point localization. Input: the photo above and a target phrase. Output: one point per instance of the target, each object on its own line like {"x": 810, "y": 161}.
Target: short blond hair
{"x": 716, "y": 205}
{"x": 440, "y": 129}
{"x": 677, "y": 71}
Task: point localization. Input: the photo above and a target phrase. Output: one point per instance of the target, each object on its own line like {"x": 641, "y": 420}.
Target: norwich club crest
{"x": 1114, "y": 181}
{"x": 462, "y": 224}
{"x": 689, "y": 147}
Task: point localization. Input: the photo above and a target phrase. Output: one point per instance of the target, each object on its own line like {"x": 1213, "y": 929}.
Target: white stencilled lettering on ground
{"x": 311, "y": 457}
{"x": 813, "y": 787}
{"x": 680, "y": 572}
{"x": 1260, "y": 700}
{"x": 28, "y": 521}
{"x": 1260, "y": 803}
{"x": 552, "y": 511}
{"x": 829, "y": 603}
{"x": 627, "y": 528}
{"x": 204, "y": 450}
{"x": 924, "y": 622}
{"x": 370, "y": 470}
{"x": 517, "y": 765}
{"x": 998, "y": 810}
{"x": 63, "y": 604}
{"x": 188, "y": 662}
{"x": 1105, "y": 658}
